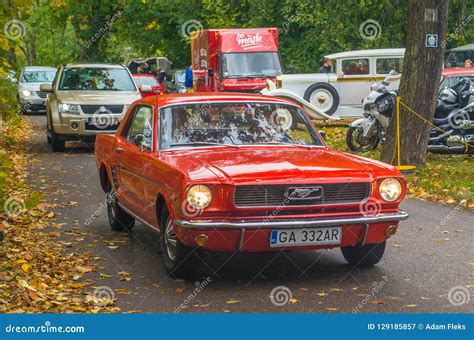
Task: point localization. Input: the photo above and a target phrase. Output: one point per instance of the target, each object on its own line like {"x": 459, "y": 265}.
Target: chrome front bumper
{"x": 205, "y": 224}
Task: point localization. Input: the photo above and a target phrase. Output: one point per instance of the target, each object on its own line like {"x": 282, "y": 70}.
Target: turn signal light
{"x": 390, "y": 231}
{"x": 201, "y": 240}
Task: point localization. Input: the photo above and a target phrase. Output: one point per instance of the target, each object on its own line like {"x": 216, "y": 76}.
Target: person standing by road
{"x": 326, "y": 68}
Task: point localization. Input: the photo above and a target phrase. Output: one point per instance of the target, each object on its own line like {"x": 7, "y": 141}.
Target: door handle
{"x": 119, "y": 150}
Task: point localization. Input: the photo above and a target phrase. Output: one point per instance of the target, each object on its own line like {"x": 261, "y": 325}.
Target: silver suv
{"x": 30, "y": 98}
{"x": 86, "y": 100}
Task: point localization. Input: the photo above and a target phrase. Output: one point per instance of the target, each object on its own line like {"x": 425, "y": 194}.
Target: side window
{"x": 355, "y": 66}
{"x": 141, "y": 130}
{"x": 385, "y": 65}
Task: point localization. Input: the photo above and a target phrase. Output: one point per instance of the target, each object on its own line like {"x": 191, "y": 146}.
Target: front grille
{"x": 277, "y": 195}
{"x": 101, "y": 109}
{"x": 41, "y": 94}
{"x": 92, "y": 127}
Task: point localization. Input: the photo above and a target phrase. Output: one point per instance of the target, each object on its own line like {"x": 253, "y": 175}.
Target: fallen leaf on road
{"x": 322, "y": 294}
{"x": 332, "y": 309}
{"x": 293, "y": 301}
{"x": 201, "y": 306}
{"x": 411, "y": 305}
{"x": 336, "y": 290}
{"x": 397, "y": 245}
{"x": 179, "y": 290}
{"x": 377, "y": 302}
{"x": 122, "y": 291}
{"x": 232, "y": 301}
{"x": 425, "y": 298}
{"x": 124, "y": 276}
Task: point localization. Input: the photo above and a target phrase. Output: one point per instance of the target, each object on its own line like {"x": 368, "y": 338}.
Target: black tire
{"x": 335, "y": 104}
{"x": 180, "y": 262}
{"x": 57, "y": 145}
{"x": 119, "y": 220}
{"x": 364, "y": 256}
{"x": 351, "y": 138}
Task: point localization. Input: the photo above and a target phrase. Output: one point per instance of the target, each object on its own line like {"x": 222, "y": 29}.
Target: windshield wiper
{"x": 205, "y": 144}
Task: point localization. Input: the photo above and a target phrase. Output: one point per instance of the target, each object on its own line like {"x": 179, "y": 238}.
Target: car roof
{"x": 209, "y": 97}
{"x": 458, "y": 71}
{"x": 39, "y": 68}
{"x": 93, "y": 66}
{"x": 368, "y": 53}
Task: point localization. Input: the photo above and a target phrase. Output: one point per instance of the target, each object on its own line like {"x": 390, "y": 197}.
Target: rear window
{"x": 355, "y": 66}
{"x": 385, "y": 65}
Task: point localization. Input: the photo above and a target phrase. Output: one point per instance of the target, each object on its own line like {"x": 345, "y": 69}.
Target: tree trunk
{"x": 420, "y": 80}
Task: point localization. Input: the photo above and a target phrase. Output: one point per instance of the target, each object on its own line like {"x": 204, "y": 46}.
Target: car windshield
{"x": 257, "y": 64}
{"x": 95, "y": 78}
{"x": 234, "y": 124}
{"x": 146, "y": 81}
{"x": 38, "y": 76}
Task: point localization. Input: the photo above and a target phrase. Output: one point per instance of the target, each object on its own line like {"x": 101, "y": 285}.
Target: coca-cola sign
{"x": 249, "y": 40}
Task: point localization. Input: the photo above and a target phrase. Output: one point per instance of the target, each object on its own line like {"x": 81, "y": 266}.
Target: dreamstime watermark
{"x": 459, "y": 296}
{"x": 460, "y": 120}
{"x": 14, "y": 207}
{"x": 14, "y": 29}
{"x": 45, "y": 328}
{"x": 190, "y": 28}
{"x": 370, "y": 29}
{"x": 458, "y": 207}
{"x": 289, "y": 19}
{"x": 371, "y": 207}
{"x": 281, "y": 296}
{"x": 459, "y": 28}
{"x": 109, "y": 21}
{"x": 110, "y": 199}
{"x": 103, "y": 296}
{"x": 377, "y": 287}
{"x": 198, "y": 289}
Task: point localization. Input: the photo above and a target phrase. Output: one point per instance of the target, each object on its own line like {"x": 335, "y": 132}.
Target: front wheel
{"x": 324, "y": 96}
{"x": 358, "y": 143}
{"x": 364, "y": 256}
{"x": 57, "y": 145}
{"x": 179, "y": 260}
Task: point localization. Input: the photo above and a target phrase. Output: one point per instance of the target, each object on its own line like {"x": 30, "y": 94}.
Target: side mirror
{"x": 210, "y": 72}
{"x": 145, "y": 89}
{"x": 323, "y": 134}
{"x": 46, "y": 88}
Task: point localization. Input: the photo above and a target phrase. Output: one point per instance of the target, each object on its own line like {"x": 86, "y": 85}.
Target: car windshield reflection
{"x": 235, "y": 124}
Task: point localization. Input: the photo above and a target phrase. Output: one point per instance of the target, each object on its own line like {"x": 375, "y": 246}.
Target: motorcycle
{"x": 454, "y": 121}
{"x": 368, "y": 132}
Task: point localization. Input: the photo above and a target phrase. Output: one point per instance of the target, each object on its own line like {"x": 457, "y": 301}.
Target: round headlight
{"x": 390, "y": 189}
{"x": 199, "y": 196}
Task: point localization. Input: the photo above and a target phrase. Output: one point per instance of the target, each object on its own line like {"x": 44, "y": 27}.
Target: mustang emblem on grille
{"x": 304, "y": 193}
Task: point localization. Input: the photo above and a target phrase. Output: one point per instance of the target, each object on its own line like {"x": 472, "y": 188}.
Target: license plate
{"x": 305, "y": 236}
{"x": 103, "y": 122}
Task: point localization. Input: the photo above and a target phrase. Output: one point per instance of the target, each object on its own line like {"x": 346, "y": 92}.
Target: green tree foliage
{"x": 82, "y": 30}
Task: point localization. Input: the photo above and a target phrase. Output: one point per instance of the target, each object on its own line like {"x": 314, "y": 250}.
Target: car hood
{"x": 271, "y": 164}
{"x": 98, "y": 97}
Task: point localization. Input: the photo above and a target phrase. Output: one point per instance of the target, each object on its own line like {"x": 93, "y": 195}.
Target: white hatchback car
{"x": 349, "y": 82}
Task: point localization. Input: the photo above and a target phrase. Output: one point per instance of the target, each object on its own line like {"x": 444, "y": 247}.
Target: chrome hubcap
{"x": 170, "y": 240}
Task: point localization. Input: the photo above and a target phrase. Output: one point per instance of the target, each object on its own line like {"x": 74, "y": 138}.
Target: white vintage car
{"x": 340, "y": 92}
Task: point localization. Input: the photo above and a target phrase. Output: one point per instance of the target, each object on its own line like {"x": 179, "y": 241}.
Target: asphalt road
{"x": 431, "y": 254}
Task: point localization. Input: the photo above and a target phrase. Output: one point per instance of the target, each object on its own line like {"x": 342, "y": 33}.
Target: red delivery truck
{"x": 239, "y": 60}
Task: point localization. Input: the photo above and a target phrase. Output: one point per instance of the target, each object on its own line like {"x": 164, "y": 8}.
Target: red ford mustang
{"x": 238, "y": 172}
